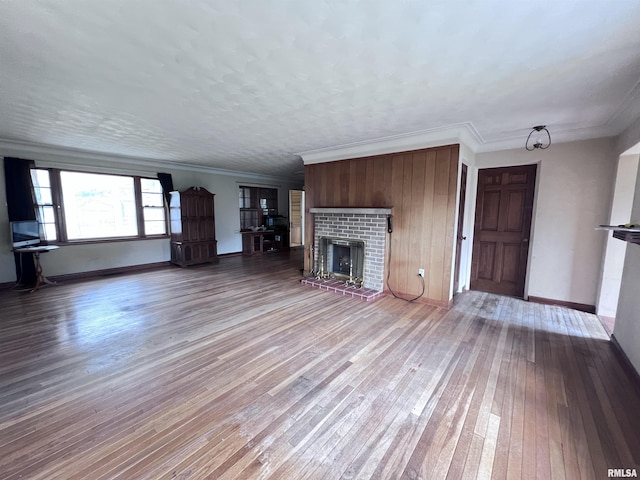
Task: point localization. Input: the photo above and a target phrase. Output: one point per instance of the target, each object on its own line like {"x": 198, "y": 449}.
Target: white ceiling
{"x": 245, "y": 85}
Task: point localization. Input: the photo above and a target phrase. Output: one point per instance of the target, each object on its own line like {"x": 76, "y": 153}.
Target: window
{"x": 98, "y": 206}
{"x": 248, "y": 208}
{"x": 255, "y": 204}
{"x": 80, "y": 206}
{"x": 153, "y": 212}
{"x": 44, "y": 203}
{"x": 268, "y": 201}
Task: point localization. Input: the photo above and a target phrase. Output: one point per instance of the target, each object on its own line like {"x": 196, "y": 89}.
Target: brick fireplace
{"x": 345, "y": 227}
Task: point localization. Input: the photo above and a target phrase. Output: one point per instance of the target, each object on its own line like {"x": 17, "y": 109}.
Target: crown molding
{"x": 71, "y": 156}
{"x": 564, "y": 136}
{"x": 628, "y": 141}
{"x": 464, "y": 133}
{"x": 627, "y": 112}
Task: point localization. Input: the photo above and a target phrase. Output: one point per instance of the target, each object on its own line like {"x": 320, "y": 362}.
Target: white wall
{"x": 573, "y": 194}
{"x": 88, "y": 257}
{"x": 627, "y": 326}
{"x": 615, "y": 249}
{"x": 226, "y": 201}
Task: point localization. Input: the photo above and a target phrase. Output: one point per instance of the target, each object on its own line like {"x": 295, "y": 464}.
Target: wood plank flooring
{"x": 237, "y": 371}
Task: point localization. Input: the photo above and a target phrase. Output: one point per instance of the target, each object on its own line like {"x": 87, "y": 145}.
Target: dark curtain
{"x": 20, "y": 206}
{"x": 167, "y": 185}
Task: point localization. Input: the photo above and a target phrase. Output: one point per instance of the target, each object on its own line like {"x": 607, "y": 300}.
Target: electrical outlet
{"x": 421, "y": 272}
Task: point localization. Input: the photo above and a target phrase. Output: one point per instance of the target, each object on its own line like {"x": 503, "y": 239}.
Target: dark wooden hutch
{"x": 193, "y": 230}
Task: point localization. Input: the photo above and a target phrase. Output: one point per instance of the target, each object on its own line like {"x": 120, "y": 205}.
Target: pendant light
{"x": 541, "y": 139}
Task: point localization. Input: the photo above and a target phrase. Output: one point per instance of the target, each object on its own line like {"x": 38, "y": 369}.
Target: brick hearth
{"x": 366, "y": 294}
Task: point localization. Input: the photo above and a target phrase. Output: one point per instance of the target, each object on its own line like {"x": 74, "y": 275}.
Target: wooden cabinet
{"x": 193, "y": 229}
{"x": 277, "y": 241}
{"x": 264, "y": 241}
{"x": 252, "y": 242}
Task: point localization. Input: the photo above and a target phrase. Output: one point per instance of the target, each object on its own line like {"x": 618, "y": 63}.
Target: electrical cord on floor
{"x": 389, "y": 274}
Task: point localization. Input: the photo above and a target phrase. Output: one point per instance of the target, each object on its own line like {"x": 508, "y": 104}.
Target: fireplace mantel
{"x": 355, "y": 210}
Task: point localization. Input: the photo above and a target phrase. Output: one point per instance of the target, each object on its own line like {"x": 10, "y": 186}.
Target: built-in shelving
{"x": 631, "y": 235}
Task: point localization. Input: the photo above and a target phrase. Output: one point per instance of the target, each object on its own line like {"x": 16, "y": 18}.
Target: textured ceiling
{"x": 245, "y": 85}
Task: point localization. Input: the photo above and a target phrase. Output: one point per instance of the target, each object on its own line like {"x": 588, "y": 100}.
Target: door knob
{"x": 525, "y": 240}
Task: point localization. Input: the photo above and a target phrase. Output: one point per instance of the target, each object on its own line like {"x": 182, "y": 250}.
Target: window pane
{"x": 40, "y": 177}
{"x": 152, "y": 200}
{"x": 50, "y": 232}
{"x": 43, "y": 196}
{"x": 245, "y": 197}
{"x": 248, "y": 218}
{"x": 153, "y": 213}
{"x": 47, "y": 215}
{"x": 150, "y": 185}
{"x": 155, "y": 228}
{"x": 98, "y": 206}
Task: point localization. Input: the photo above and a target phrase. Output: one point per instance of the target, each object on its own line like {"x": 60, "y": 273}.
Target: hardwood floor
{"x": 237, "y": 371}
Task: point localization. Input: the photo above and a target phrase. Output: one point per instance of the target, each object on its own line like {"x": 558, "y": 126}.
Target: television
{"x": 25, "y": 233}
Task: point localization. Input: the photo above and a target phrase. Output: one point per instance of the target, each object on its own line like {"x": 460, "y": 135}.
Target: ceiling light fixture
{"x": 539, "y": 140}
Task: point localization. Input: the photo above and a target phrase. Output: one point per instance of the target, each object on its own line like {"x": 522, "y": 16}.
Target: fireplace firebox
{"x": 342, "y": 259}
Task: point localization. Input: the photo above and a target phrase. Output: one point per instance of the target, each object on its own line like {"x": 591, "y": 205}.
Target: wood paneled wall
{"x": 421, "y": 187}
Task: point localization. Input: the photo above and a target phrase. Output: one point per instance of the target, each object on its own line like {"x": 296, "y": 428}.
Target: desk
{"x": 36, "y": 251}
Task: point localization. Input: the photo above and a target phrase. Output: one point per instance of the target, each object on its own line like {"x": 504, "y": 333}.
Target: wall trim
{"x": 428, "y": 301}
{"x": 109, "y": 271}
{"x": 65, "y": 157}
{"x": 561, "y": 303}
{"x": 464, "y": 133}
{"x": 626, "y": 363}
{"x": 69, "y": 277}
{"x": 230, "y": 254}
{"x": 461, "y": 133}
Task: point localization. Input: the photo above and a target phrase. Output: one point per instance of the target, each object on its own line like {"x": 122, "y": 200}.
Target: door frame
{"x": 302, "y": 218}
{"x": 460, "y": 270}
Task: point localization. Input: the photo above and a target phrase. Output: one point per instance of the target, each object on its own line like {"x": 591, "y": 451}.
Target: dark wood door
{"x": 460, "y": 237}
{"x": 503, "y": 223}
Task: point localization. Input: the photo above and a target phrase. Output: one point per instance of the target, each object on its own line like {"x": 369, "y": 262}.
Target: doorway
{"x": 615, "y": 250}
{"x": 296, "y": 218}
{"x": 504, "y": 206}
{"x": 459, "y": 232}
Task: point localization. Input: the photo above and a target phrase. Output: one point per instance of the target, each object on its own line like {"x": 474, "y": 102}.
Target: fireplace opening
{"x": 341, "y": 258}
